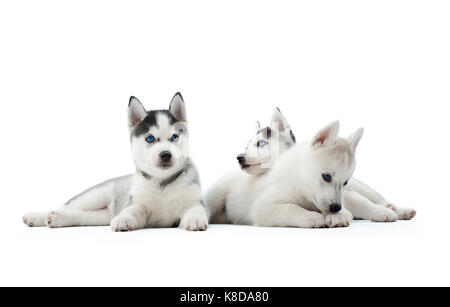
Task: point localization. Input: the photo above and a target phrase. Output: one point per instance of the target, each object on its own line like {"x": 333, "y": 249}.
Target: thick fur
{"x": 162, "y": 193}
{"x": 228, "y": 199}
{"x": 297, "y": 194}
{"x": 237, "y": 192}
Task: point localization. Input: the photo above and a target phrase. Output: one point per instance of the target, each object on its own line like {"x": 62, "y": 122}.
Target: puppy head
{"x": 332, "y": 165}
{"x": 159, "y": 138}
{"x": 266, "y": 145}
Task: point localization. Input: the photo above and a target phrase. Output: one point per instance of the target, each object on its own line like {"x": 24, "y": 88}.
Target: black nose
{"x": 165, "y": 156}
{"x": 335, "y": 208}
{"x": 241, "y": 159}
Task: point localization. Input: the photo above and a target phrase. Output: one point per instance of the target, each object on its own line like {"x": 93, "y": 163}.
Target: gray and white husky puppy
{"x": 229, "y": 198}
{"x": 164, "y": 191}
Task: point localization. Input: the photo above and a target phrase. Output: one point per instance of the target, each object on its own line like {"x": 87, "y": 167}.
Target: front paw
{"x": 124, "y": 222}
{"x": 340, "y": 219}
{"x": 313, "y": 220}
{"x": 194, "y": 221}
{"x": 384, "y": 215}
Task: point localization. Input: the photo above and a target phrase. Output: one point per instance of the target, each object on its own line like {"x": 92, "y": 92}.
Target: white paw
{"x": 340, "y": 219}
{"x": 124, "y": 222}
{"x": 403, "y": 213}
{"x": 35, "y": 219}
{"x": 55, "y": 219}
{"x": 313, "y": 220}
{"x": 384, "y": 215}
{"x": 194, "y": 221}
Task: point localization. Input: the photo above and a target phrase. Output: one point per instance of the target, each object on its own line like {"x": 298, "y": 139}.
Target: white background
{"x": 67, "y": 69}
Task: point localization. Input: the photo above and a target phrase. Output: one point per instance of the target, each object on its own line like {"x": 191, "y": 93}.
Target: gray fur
{"x": 100, "y": 185}
{"x": 266, "y": 132}
{"x": 187, "y": 168}
{"x": 144, "y": 174}
{"x": 165, "y": 182}
{"x": 121, "y": 192}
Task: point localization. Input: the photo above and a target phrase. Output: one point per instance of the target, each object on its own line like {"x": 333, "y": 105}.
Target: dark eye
{"x": 175, "y": 137}
{"x": 345, "y": 183}
{"x": 261, "y": 143}
{"x": 150, "y": 139}
{"x": 327, "y": 177}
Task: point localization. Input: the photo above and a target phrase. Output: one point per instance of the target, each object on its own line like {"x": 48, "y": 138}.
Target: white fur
{"x": 273, "y": 200}
{"x": 230, "y": 198}
{"x": 296, "y": 195}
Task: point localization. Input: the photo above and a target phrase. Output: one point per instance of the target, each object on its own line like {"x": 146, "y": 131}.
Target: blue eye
{"x": 327, "y": 177}
{"x": 150, "y": 139}
{"x": 261, "y": 143}
{"x": 174, "y": 137}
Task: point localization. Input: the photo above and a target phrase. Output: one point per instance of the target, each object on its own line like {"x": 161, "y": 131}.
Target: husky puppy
{"x": 164, "y": 191}
{"x": 316, "y": 178}
{"x": 360, "y": 199}
{"x": 305, "y": 186}
{"x": 229, "y": 199}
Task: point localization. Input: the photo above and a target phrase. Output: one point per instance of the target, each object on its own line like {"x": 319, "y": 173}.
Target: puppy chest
{"x": 165, "y": 208}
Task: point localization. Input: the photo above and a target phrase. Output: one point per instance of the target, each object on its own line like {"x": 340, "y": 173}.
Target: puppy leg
{"x": 366, "y": 191}
{"x": 195, "y": 219}
{"x": 378, "y": 199}
{"x": 131, "y": 218}
{"x": 361, "y": 207}
{"x": 70, "y": 218}
{"x": 96, "y": 198}
{"x": 286, "y": 215}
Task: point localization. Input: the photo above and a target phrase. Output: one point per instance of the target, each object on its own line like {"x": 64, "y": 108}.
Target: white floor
{"x": 402, "y": 253}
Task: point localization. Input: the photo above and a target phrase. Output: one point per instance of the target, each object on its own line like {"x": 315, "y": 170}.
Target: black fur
{"x": 145, "y": 175}
{"x": 266, "y": 132}
{"x": 150, "y": 121}
{"x": 292, "y": 136}
{"x": 188, "y": 166}
{"x": 165, "y": 182}
{"x": 131, "y": 99}
{"x": 176, "y": 224}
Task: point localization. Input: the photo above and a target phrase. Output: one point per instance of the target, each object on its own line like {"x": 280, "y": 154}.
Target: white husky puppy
{"x": 164, "y": 191}
{"x": 310, "y": 184}
{"x": 229, "y": 199}
{"x": 305, "y": 186}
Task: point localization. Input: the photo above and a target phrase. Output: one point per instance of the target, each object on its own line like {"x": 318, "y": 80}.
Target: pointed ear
{"x": 177, "y": 107}
{"x": 326, "y": 136}
{"x": 279, "y": 121}
{"x": 355, "y": 138}
{"x": 136, "y": 112}
{"x": 257, "y": 126}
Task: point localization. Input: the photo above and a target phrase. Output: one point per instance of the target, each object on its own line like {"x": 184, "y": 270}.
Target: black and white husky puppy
{"x": 230, "y": 197}
{"x": 164, "y": 191}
